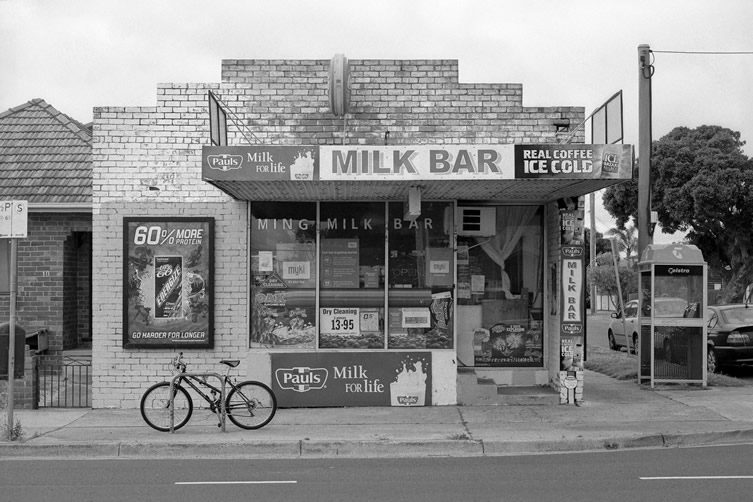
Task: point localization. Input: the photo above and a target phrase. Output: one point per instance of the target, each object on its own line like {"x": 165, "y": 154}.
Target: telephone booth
{"x": 672, "y": 297}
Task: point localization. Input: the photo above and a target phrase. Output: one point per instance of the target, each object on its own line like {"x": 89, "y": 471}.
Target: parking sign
{"x": 13, "y": 219}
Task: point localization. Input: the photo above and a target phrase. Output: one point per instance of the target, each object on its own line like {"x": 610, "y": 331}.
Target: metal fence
{"x": 62, "y": 381}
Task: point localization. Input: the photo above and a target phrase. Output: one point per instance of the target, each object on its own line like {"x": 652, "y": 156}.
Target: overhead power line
{"x": 720, "y": 53}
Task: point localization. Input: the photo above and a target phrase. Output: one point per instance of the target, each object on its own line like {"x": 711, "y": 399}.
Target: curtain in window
{"x": 511, "y": 225}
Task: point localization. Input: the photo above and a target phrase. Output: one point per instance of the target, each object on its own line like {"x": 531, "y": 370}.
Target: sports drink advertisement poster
{"x": 167, "y": 282}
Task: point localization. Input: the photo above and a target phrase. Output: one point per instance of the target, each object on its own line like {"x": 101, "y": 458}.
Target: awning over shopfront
{"x": 514, "y": 173}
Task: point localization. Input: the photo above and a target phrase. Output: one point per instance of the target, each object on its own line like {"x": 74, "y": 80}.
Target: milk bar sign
{"x": 415, "y": 162}
{"x": 13, "y": 219}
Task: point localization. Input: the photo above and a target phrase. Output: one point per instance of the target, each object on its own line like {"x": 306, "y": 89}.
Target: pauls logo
{"x": 225, "y": 162}
{"x": 407, "y": 400}
{"x": 572, "y": 329}
{"x": 572, "y": 251}
{"x": 301, "y": 379}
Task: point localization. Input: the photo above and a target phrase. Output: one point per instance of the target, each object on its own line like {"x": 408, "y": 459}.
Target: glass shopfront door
{"x": 500, "y": 289}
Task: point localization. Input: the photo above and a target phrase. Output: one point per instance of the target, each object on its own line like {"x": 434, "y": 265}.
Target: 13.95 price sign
{"x": 339, "y": 321}
{"x": 167, "y": 282}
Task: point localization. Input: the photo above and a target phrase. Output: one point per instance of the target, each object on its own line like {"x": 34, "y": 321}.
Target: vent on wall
{"x": 477, "y": 221}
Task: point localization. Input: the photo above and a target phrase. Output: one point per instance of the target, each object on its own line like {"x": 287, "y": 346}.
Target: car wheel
{"x": 667, "y": 351}
{"x": 712, "y": 365}
{"x": 612, "y": 343}
{"x": 635, "y": 344}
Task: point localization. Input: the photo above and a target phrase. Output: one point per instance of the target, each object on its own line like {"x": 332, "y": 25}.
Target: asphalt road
{"x": 668, "y": 474}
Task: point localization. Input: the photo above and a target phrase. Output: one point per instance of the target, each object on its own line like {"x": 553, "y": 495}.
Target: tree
{"x": 627, "y": 240}
{"x": 602, "y": 244}
{"x": 702, "y": 183}
{"x": 603, "y": 277}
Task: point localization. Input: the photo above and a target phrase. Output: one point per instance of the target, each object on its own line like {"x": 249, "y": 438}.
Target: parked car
{"x": 665, "y": 307}
{"x": 730, "y": 336}
{"x": 618, "y": 328}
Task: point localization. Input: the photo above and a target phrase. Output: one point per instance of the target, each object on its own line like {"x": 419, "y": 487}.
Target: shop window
{"x": 352, "y": 256}
{"x": 421, "y": 277}
{"x": 500, "y": 285}
{"x": 283, "y": 275}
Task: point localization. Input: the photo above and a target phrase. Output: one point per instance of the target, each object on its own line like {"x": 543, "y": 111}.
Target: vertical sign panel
{"x": 572, "y": 280}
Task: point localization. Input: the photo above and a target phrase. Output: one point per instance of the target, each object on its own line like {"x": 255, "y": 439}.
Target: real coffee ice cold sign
{"x": 13, "y": 219}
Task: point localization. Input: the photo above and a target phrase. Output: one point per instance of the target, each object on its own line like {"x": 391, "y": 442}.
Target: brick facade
{"x": 147, "y": 162}
{"x": 46, "y": 260}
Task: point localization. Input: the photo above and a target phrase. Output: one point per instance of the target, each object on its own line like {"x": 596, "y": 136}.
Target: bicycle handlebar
{"x": 178, "y": 363}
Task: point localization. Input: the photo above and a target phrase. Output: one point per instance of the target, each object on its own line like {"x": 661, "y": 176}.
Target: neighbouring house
{"x": 46, "y": 160}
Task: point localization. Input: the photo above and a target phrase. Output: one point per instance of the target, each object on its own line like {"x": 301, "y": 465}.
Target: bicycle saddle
{"x": 231, "y": 362}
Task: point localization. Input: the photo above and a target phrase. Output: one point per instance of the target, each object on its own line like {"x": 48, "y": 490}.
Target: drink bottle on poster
{"x": 168, "y": 286}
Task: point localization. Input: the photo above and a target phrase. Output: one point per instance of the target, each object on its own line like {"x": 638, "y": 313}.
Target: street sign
{"x": 13, "y": 219}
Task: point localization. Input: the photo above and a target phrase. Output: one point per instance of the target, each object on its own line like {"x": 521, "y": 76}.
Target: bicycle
{"x": 249, "y": 404}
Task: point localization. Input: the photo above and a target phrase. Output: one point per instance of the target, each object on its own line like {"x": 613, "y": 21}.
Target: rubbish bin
{"x": 20, "y": 336}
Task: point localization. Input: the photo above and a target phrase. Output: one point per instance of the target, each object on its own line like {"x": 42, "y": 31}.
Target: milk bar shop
{"x": 356, "y": 232}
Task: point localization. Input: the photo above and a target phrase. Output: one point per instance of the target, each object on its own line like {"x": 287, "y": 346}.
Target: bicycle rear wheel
{"x": 155, "y": 406}
{"x": 251, "y": 405}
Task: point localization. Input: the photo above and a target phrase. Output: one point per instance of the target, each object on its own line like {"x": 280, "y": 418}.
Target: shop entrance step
{"x": 477, "y": 390}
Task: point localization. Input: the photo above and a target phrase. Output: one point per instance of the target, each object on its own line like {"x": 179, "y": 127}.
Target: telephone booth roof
{"x": 670, "y": 254}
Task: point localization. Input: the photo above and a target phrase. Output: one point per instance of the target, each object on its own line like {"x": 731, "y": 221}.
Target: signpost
{"x": 13, "y": 226}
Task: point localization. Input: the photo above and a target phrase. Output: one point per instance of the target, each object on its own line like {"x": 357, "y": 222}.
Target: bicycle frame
{"x": 188, "y": 377}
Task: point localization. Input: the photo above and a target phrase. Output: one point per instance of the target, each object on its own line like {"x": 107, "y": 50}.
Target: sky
{"x": 79, "y": 54}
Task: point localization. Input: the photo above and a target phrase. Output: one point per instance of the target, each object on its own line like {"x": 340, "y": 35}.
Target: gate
{"x": 62, "y": 381}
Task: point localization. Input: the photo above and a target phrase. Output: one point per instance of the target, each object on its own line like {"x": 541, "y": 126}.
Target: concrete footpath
{"x": 615, "y": 414}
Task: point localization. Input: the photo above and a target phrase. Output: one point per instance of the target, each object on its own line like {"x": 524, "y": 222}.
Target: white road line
{"x": 693, "y": 477}
{"x": 292, "y": 482}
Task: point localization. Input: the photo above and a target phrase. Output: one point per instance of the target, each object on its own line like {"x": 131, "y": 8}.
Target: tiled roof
{"x": 45, "y": 156}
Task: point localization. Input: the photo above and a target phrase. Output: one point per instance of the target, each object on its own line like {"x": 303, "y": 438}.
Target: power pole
{"x": 645, "y": 71}
{"x": 592, "y": 249}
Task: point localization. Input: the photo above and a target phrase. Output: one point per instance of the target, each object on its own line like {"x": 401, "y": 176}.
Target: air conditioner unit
{"x": 477, "y": 221}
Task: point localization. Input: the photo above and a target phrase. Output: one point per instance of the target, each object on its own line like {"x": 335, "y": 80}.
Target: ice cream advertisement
{"x": 167, "y": 281}
{"x": 352, "y": 379}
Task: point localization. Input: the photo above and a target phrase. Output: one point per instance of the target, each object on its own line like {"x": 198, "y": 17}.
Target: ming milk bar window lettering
{"x": 283, "y": 274}
{"x": 352, "y": 256}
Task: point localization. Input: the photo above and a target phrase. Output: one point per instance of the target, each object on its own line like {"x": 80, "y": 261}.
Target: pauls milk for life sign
{"x": 352, "y": 379}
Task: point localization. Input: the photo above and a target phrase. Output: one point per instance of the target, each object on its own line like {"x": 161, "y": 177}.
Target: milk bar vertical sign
{"x": 572, "y": 259}
{"x": 167, "y": 282}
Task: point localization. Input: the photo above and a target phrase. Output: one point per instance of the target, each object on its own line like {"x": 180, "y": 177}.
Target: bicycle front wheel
{"x": 155, "y": 406}
{"x": 251, "y": 405}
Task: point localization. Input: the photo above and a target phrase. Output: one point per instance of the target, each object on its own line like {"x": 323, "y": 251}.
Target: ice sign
{"x": 13, "y": 219}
